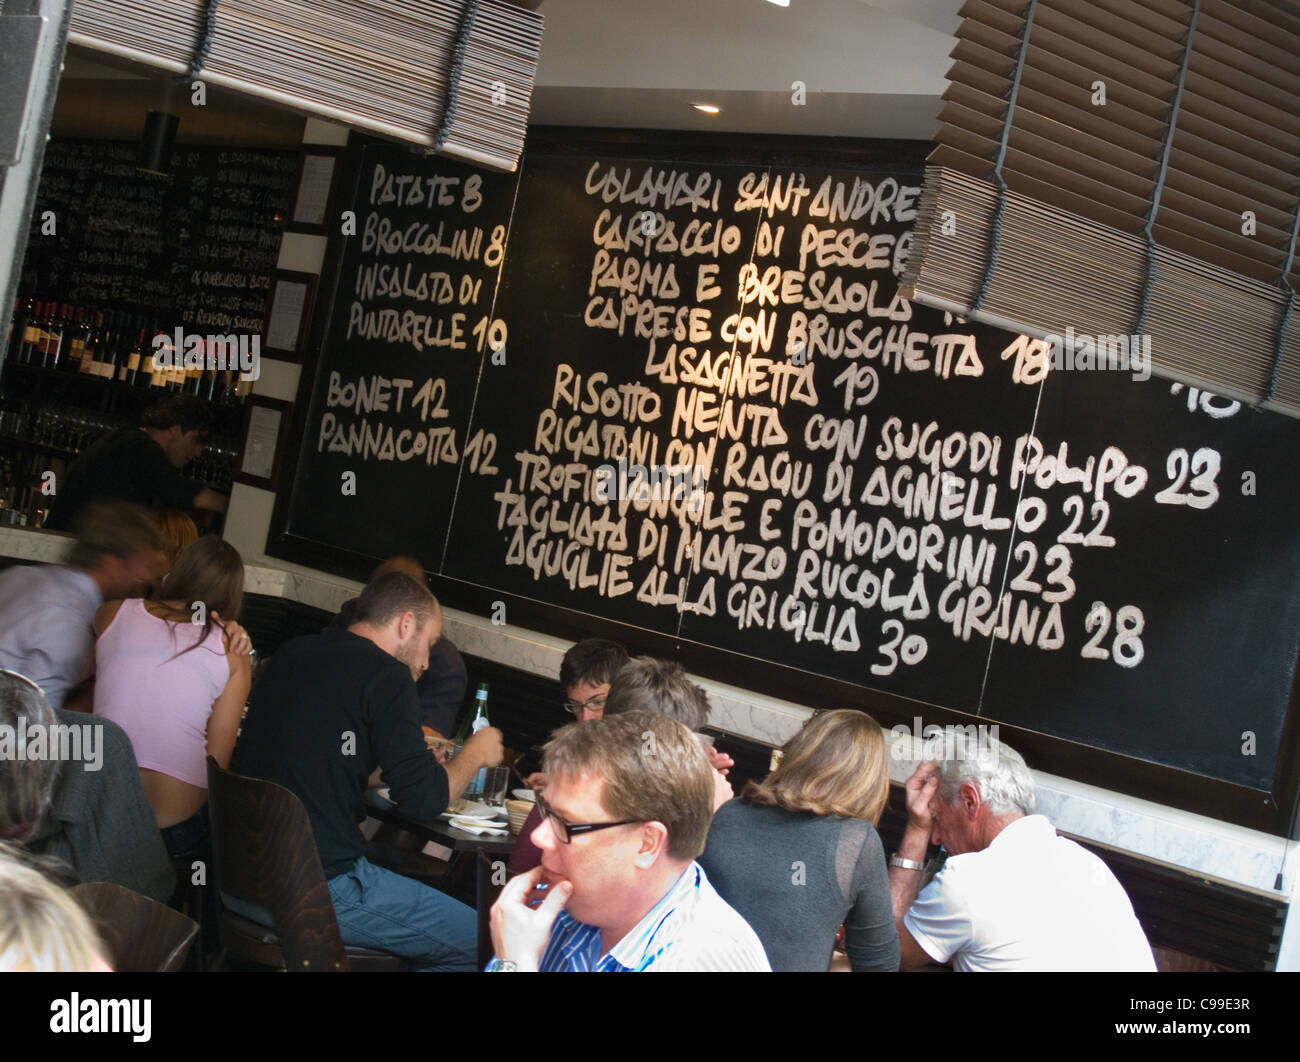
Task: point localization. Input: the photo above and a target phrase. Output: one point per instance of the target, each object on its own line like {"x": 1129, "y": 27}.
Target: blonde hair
{"x": 835, "y": 765}
{"x": 652, "y": 768}
{"x": 42, "y": 928}
{"x": 178, "y": 531}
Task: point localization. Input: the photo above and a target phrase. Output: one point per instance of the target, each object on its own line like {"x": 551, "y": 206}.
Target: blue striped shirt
{"x": 691, "y": 928}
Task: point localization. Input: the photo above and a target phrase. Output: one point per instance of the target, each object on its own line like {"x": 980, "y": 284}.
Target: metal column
{"x": 33, "y": 38}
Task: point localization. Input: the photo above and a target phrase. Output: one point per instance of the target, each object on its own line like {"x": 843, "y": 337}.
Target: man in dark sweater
{"x": 142, "y": 465}
{"x": 332, "y": 713}
{"x": 441, "y": 688}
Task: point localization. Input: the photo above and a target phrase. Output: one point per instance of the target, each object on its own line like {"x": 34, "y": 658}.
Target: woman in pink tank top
{"x": 166, "y": 675}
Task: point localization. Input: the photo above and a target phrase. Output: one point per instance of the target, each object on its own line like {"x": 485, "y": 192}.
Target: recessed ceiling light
{"x": 780, "y": 3}
{"x": 707, "y": 108}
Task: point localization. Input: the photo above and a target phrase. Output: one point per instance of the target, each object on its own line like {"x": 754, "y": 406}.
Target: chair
{"x": 143, "y": 935}
{"x": 1169, "y": 960}
{"x": 264, "y": 853}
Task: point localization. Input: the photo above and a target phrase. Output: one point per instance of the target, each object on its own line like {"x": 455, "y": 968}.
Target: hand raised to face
{"x": 519, "y": 932}
{"x": 921, "y": 788}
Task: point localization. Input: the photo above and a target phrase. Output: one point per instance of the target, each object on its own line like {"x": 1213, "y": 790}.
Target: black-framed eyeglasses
{"x": 567, "y": 831}
{"x": 597, "y": 702}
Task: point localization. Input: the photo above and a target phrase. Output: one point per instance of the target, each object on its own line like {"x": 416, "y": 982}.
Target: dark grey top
{"x": 797, "y": 878}
{"x": 100, "y": 823}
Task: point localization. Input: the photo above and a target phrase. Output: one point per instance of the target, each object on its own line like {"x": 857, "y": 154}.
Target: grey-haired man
{"x": 1012, "y": 894}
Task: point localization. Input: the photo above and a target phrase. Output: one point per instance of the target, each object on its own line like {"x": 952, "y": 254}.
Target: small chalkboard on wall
{"x": 262, "y": 442}
{"x": 314, "y": 190}
{"x": 288, "y": 314}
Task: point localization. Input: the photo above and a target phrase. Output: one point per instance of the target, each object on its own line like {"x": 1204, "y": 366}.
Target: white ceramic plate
{"x": 479, "y": 824}
{"x": 469, "y": 809}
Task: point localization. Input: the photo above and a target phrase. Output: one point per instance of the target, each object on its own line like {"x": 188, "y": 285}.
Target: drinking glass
{"x": 494, "y": 788}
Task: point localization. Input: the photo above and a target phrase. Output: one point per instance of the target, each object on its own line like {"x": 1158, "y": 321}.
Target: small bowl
{"x": 519, "y": 811}
{"x": 524, "y": 794}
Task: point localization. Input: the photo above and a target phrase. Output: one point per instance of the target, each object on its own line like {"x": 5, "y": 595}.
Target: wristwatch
{"x": 906, "y": 864}
{"x": 506, "y": 966}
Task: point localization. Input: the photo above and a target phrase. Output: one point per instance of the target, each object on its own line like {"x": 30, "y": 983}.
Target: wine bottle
{"x": 27, "y": 344}
{"x": 91, "y": 350}
{"x": 109, "y": 350}
{"x": 176, "y": 374}
{"x": 159, "y": 353}
{"x": 54, "y": 333}
{"x": 131, "y": 370}
{"x": 126, "y": 341}
{"x": 193, "y": 378}
{"x": 76, "y": 344}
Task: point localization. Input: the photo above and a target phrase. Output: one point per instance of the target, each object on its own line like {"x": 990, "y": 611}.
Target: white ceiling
{"x": 872, "y": 68}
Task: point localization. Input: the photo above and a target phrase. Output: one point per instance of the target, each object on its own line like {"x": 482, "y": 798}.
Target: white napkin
{"x": 478, "y": 826}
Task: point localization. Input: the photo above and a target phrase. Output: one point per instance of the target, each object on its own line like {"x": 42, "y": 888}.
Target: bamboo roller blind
{"x": 1170, "y": 208}
{"x": 452, "y": 75}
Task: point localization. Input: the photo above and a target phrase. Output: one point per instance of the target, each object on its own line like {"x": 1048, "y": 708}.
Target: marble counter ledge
{"x": 34, "y": 544}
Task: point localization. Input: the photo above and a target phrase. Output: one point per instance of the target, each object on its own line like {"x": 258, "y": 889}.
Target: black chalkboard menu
{"x": 689, "y": 408}
{"x": 196, "y": 246}
{"x": 411, "y": 320}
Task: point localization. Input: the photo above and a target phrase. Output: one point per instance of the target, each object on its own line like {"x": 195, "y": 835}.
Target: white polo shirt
{"x": 1031, "y": 900}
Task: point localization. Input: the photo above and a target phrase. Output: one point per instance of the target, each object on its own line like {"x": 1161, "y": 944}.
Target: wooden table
{"x": 489, "y": 853}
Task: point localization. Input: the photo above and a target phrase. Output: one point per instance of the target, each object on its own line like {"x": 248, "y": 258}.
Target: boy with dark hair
{"x": 593, "y": 662}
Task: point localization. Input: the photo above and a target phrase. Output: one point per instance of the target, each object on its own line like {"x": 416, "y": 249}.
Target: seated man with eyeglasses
{"x": 625, "y": 814}
{"x": 586, "y": 673}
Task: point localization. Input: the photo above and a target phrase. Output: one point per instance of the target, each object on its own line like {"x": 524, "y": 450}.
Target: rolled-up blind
{"x": 455, "y": 76}
{"x": 1125, "y": 167}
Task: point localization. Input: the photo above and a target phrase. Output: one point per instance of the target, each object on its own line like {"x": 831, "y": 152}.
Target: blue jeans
{"x": 378, "y": 909}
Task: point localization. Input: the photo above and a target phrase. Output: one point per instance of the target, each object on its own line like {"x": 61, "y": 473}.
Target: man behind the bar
{"x": 1012, "y": 895}
{"x": 626, "y": 810}
{"x": 143, "y": 464}
{"x": 332, "y": 712}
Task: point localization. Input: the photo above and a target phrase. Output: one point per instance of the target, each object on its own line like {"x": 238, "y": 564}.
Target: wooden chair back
{"x": 143, "y": 935}
{"x": 265, "y": 854}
